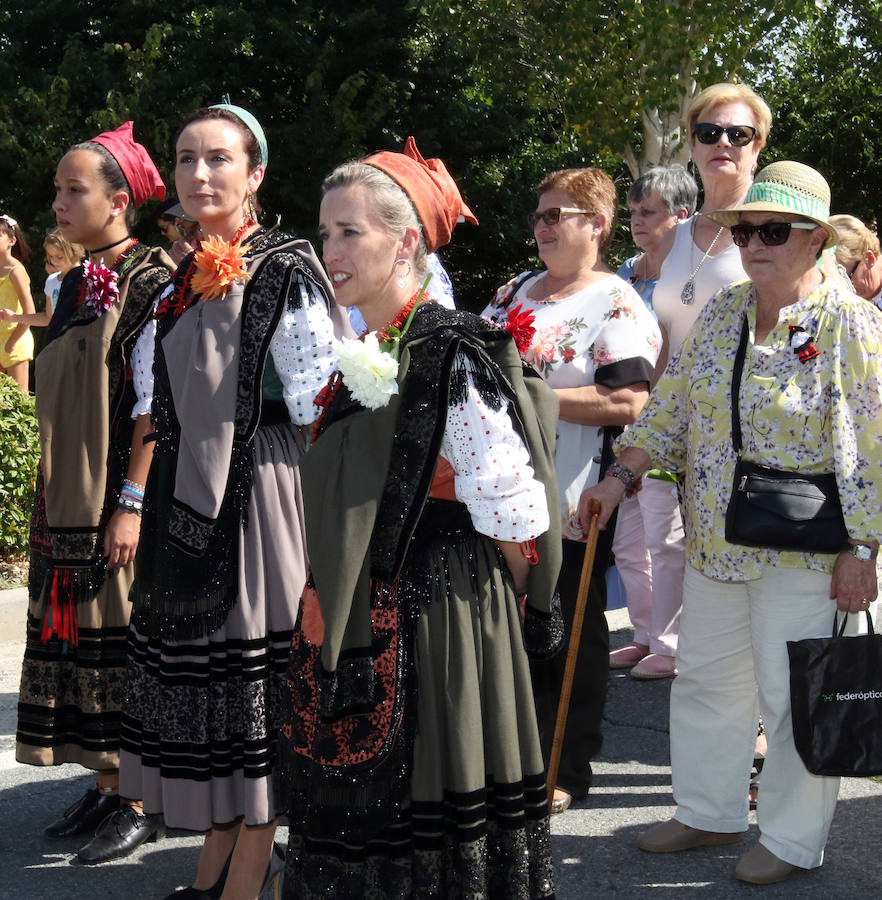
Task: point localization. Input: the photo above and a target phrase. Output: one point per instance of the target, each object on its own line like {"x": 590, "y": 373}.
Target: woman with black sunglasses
{"x": 593, "y": 340}
{"x": 783, "y": 371}
{"x": 728, "y": 125}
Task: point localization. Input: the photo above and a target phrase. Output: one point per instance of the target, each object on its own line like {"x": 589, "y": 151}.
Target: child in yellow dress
{"x": 16, "y": 342}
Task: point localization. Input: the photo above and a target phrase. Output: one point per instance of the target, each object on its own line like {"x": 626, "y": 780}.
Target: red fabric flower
{"x": 520, "y": 326}
{"x": 99, "y": 289}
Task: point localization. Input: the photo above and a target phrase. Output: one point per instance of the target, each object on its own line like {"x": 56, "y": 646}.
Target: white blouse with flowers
{"x": 604, "y": 335}
{"x": 802, "y": 415}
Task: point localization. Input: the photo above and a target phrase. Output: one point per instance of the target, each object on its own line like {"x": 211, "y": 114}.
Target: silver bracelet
{"x": 131, "y": 506}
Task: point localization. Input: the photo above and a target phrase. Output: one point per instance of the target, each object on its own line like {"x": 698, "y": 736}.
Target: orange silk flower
{"x": 218, "y": 265}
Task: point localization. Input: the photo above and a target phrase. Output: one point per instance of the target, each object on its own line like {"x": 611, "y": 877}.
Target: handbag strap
{"x": 737, "y": 369}
{"x": 845, "y": 621}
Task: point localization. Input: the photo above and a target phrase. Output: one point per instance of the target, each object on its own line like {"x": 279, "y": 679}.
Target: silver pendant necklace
{"x": 687, "y": 295}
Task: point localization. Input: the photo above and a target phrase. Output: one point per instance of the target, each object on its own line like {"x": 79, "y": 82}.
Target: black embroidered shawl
{"x": 187, "y": 566}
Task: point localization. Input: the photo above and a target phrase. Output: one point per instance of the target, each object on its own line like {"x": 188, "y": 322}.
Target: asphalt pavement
{"x": 593, "y": 842}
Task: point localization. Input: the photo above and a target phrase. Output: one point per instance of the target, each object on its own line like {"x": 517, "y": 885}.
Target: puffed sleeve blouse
{"x": 301, "y": 351}
{"x": 493, "y": 476}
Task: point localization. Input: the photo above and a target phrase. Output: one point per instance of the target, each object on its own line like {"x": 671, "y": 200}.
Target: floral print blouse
{"x": 819, "y": 415}
{"x": 603, "y": 334}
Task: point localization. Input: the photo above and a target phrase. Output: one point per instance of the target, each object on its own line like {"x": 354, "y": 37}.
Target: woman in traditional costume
{"x": 86, "y": 522}
{"x": 412, "y": 752}
{"x": 244, "y": 343}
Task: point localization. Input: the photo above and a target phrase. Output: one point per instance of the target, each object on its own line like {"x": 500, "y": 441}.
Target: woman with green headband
{"x": 244, "y": 343}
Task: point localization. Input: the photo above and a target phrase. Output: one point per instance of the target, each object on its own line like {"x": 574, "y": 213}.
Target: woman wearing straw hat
{"x": 809, "y": 401}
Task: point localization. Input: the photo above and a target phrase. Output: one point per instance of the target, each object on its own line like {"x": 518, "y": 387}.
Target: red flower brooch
{"x": 99, "y": 289}
{"x": 519, "y": 325}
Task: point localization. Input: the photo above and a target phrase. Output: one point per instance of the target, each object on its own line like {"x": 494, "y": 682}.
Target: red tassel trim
{"x": 60, "y": 613}
{"x": 528, "y": 549}
{"x": 323, "y": 400}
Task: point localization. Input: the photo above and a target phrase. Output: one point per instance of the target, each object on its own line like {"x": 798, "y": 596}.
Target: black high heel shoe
{"x": 272, "y": 882}
{"x": 212, "y": 893}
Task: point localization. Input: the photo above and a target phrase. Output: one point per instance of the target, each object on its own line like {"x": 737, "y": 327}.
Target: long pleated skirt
{"x": 474, "y": 819}
{"x": 71, "y": 697}
{"x": 199, "y": 732}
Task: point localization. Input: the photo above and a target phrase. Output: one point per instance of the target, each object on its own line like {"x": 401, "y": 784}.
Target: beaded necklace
{"x": 182, "y": 298}
{"x": 390, "y": 334}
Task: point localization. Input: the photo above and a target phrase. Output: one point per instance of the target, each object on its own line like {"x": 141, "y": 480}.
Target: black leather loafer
{"x": 84, "y": 816}
{"x": 119, "y": 834}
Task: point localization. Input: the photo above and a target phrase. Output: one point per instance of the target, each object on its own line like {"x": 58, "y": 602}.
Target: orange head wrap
{"x": 431, "y": 189}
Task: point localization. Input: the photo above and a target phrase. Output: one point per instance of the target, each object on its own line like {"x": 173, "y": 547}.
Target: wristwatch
{"x": 863, "y": 552}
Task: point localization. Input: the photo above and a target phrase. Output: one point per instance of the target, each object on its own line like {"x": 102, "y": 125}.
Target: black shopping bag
{"x": 836, "y": 701}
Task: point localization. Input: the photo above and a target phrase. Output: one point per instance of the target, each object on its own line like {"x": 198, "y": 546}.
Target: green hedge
{"x": 19, "y": 456}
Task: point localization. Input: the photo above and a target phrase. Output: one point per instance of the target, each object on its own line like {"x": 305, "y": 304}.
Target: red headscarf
{"x": 134, "y": 160}
{"x": 430, "y": 188}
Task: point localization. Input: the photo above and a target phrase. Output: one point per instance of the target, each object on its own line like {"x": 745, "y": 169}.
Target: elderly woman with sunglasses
{"x": 595, "y": 342}
{"x": 806, "y": 353}
{"x": 859, "y": 254}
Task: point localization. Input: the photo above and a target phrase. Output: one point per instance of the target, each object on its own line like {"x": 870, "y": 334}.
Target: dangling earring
{"x": 249, "y": 215}
{"x": 402, "y": 279}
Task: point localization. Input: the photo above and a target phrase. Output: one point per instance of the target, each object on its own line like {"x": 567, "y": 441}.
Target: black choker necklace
{"x": 128, "y": 237}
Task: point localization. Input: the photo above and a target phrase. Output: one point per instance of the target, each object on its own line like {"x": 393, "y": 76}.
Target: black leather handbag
{"x": 776, "y": 509}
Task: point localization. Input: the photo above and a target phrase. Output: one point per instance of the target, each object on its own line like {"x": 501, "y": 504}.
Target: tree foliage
{"x": 619, "y": 74}
{"x": 503, "y": 90}
{"x": 826, "y": 93}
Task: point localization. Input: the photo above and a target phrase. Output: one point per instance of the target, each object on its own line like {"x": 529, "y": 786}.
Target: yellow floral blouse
{"x": 819, "y": 415}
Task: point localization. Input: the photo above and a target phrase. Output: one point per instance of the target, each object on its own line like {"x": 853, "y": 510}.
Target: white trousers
{"x": 733, "y": 665}
{"x": 650, "y": 557}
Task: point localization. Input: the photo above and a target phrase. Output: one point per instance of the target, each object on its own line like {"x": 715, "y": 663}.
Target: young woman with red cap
{"x": 86, "y": 522}
{"x": 412, "y": 754}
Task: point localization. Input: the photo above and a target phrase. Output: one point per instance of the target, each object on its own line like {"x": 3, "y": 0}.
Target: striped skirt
{"x": 199, "y": 730}
{"x": 473, "y": 818}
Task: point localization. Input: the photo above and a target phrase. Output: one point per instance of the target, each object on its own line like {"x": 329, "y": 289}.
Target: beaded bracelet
{"x": 134, "y": 486}
{"x": 128, "y": 494}
{"x": 623, "y": 473}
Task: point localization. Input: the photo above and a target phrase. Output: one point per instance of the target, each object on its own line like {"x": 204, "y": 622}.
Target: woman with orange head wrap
{"x": 427, "y": 515}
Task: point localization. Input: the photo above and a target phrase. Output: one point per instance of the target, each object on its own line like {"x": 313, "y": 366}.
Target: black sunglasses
{"x": 708, "y": 133}
{"x": 772, "y": 234}
{"x": 552, "y": 215}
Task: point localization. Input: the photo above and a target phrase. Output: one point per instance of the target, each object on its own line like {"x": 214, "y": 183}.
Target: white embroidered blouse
{"x": 301, "y": 348}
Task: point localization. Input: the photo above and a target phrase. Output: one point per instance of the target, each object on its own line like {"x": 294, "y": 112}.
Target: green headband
{"x": 248, "y": 120}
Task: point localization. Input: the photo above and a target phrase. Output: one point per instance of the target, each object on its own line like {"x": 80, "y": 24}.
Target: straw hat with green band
{"x": 786, "y": 187}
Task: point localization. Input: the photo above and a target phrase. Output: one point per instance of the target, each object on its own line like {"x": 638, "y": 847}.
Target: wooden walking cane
{"x": 563, "y": 706}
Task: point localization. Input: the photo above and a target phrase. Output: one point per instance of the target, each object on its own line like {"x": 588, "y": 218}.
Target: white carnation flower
{"x": 369, "y": 373}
